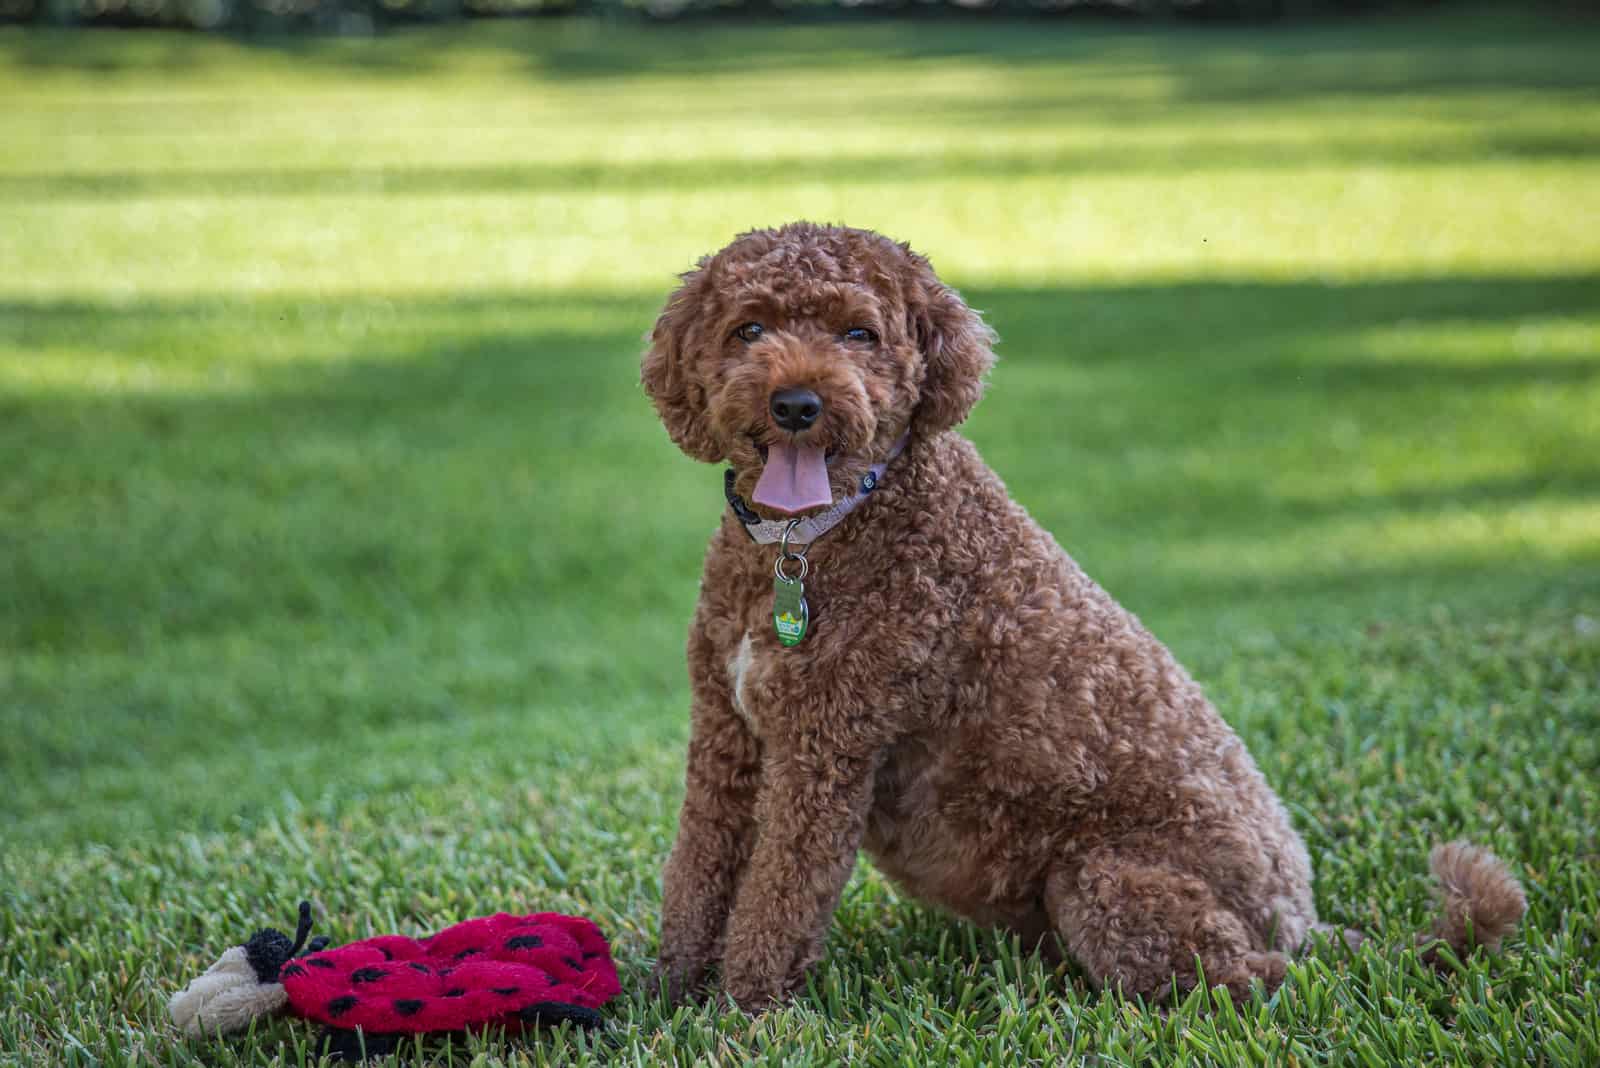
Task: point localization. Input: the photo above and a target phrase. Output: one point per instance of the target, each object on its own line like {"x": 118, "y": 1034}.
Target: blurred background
{"x": 334, "y": 524}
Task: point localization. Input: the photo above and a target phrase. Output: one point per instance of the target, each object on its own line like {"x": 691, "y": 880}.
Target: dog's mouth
{"x": 794, "y": 476}
{"x": 830, "y": 454}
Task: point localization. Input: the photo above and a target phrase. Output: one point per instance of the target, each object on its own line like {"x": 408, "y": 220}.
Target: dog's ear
{"x": 956, "y": 352}
{"x": 668, "y": 374}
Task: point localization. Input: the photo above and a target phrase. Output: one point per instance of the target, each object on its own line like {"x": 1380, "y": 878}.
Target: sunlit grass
{"x": 539, "y": 157}
{"x": 340, "y": 555}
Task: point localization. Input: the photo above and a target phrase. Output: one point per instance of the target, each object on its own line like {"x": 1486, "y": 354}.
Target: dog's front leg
{"x": 716, "y": 830}
{"x": 811, "y": 816}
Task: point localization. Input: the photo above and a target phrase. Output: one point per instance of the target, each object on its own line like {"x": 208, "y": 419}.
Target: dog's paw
{"x": 755, "y": 1001}
{"x": 755, "y": 993}
{"x": 678, "y": 980}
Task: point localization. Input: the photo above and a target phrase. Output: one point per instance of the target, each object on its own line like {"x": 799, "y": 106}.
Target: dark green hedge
{"x": 364, "y": 16}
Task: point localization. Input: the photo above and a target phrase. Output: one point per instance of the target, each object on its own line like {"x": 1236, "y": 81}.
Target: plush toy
{"x": 496, "y": 971}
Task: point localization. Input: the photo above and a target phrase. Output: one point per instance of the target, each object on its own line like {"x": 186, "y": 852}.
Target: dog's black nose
{"x": 795, "y": 409}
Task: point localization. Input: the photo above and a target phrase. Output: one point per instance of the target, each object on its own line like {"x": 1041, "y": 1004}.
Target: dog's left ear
{"x": 956, "y": 352}
{"x": 668, "y": 373}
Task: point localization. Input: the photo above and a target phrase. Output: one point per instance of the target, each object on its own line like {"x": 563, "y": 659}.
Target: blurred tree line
{"x": 368, "y": 16}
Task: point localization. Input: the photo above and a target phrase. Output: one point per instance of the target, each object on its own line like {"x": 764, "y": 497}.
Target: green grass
{"x": 341, "y": 557}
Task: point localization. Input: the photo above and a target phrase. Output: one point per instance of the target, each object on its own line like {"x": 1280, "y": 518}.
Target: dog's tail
{"x": 1480, "y": 901}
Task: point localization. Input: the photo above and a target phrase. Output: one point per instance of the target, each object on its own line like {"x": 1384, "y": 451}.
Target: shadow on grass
{"x": 434, "y": 452}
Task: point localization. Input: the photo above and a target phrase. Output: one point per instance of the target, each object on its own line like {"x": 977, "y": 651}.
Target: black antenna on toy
{"x": 302, "y": 929}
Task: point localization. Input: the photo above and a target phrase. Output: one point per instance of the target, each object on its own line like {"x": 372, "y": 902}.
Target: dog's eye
{"x": 749, "y": 332}
{"x": 862, "y": 334}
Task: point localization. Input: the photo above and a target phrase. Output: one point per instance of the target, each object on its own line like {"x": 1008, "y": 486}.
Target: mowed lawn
{"x": 341, "y": 556}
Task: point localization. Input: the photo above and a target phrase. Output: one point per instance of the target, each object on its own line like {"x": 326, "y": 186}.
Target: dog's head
{"x": 801, "y": 355}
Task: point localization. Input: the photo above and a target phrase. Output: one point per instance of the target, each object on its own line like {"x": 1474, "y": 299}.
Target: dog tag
{"x": 790, "y": 616}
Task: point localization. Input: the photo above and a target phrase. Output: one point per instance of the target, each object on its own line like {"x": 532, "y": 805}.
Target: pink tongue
{"x": 794, "y": 479}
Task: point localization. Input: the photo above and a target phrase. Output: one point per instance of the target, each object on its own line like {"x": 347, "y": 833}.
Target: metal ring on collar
{"x": 786, "y": 553}
{"x": 777, "y": 567}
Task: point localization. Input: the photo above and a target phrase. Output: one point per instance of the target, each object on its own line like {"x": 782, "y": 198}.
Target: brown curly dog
{"x": 963, "y": 702}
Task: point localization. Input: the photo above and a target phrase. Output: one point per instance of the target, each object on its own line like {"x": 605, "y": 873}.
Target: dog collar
{"x": 771, "y": 531}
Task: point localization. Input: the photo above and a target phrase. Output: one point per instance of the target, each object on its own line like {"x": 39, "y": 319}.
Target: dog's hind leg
{"x": 1140, "y": 925}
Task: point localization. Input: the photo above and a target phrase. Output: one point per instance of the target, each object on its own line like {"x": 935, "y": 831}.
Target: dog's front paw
{"x": 755, "y": 991}
{"x": 678, "y": 979}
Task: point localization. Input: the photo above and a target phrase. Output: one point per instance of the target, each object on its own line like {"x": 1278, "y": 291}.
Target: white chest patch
{"x": 738, "y": 668}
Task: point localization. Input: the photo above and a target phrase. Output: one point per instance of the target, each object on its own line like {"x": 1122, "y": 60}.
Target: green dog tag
{"x": 790, "y": 616}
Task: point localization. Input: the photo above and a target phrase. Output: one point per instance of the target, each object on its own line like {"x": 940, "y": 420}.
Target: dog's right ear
{"x": 957, "y": 347}
{"x": 668, "y": 371}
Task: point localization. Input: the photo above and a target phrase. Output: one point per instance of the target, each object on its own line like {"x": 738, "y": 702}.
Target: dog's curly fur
{"x": 1002, "y": 738}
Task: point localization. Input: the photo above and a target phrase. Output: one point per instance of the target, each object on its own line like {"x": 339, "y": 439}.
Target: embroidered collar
{"x": 770, "y": 531}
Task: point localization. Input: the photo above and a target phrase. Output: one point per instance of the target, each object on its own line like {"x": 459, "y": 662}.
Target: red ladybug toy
{"x": 496, "y": 971}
